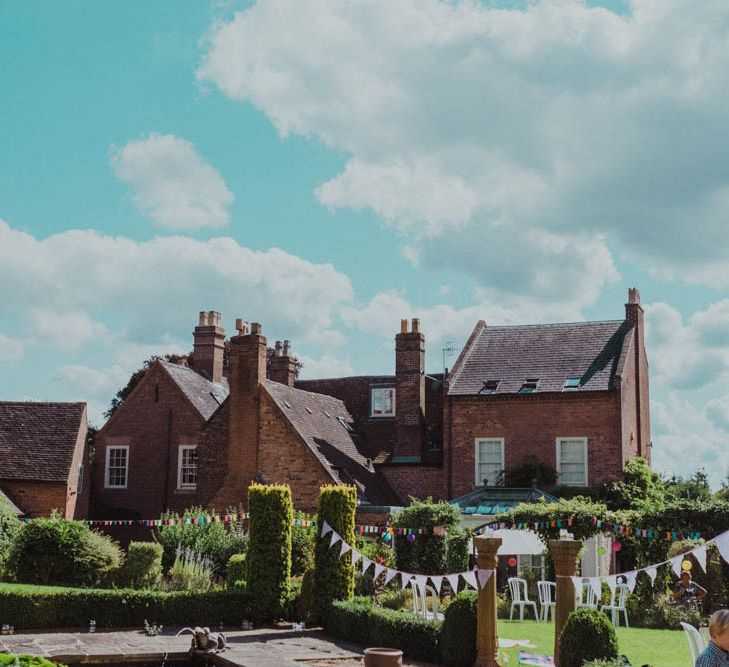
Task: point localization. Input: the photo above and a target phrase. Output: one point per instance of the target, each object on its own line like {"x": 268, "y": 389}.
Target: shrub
{"x": 269, "y": 550}
{"x": 191, "y": 572}
{"x": 334, "y": 576}
{"x": 236, "y": 571}
{"x": 427, "y": 553}
{"x": 9, "y": 527}
{"x": 396, "y": 598}
{"x": 587, "y": 635}
{"x": 458, "y": 557}
{"x": 306, "y": 599}
{"x": 210, "y": 539}
{"x": 359, "y": 621}
{"x": 57, "y": 551}
{"x": 458, "y": 634}
{"x": 33, "y": 608}
{"x": 303, "y": 539}
{"x": 143, "y": 566}
{"x": 27, "y": 661}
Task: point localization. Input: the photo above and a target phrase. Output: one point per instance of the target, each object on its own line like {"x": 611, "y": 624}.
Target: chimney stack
{"x": 410, "y": 390}
{"x": 634, "y": 315}
{"x": 208, "y": 346}
{"x": 282, "y": 365}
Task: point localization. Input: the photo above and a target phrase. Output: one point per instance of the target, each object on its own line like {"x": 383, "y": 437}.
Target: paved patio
{"x": 266, "y": 647}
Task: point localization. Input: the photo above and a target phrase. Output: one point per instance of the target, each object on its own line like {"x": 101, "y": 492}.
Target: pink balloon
{"x": 617, "y": 546}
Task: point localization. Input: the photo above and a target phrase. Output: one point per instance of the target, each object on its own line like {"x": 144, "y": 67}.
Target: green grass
{"x": 19, "y": 588}
{"x": 660, "y": 648}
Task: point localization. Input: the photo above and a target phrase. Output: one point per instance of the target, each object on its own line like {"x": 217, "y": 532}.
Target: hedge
{"x": 143, "y": 566}
{"x": 237, "y": 571}
{"x": 27, "y": 661}
{"x": 334, "y": 576}
{"x": 458, "y": 634}
{"x": 269, "y": 546}
{"x": 41, "y": 608}
{"x": 359, "y": 621}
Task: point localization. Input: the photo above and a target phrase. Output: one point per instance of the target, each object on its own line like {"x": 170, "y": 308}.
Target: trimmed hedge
{"x": 41, "y": 608}
{"x": 27, "y": 661}
{"x": 143, "y": 566}
{"x": 237, "y": 571}
{"x": 458, "y": 633}
{"x": 359, "y": 621}
{"x": 587, "y": 635}
{"x": 269, "y": 547}
{"x": 334, "y": 576}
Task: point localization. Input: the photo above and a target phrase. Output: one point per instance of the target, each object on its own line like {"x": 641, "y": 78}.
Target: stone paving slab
{"x": 265, "y": 647}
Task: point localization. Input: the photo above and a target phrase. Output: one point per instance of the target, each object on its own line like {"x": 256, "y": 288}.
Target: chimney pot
{"x": 286, "y": 348}
{"x": 633, "y": 295}
{"x": 256, "y": 328}
{"x": 241, "y": 326}
{"x": 277, "y": 348}
{"x": 201, "y": 323}
{"x": 403, "y": 326}
{"x": 415, "y": 325}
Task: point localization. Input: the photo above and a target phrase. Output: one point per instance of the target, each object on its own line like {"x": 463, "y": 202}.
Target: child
{"x": 716, "y": 654}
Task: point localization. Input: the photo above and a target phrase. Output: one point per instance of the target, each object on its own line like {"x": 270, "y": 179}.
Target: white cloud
{"x": 171, "y": 183}
{"x": 326, "y": 366}
{"x": 63, "y": 330}
{"x": 11, "y": 349}
{"x": 507, "y": 144}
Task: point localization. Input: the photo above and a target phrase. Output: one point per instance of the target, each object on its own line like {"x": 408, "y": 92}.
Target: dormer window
{"x": 382, "y": 401}
{"x": 529, "y": 386}
{"x": 572, "y": 384}
{"x": 489, "y": 387}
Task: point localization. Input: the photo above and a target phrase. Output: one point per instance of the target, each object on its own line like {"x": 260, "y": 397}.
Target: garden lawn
{"x": 659, "y": 648}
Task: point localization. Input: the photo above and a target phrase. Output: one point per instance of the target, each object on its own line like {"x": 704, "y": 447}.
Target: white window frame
{"x": 372, "y": 402}
{"x": 107, "y": 484}
{"x": 560, "y": 440}
{"x": 180, "y": 454}
{"x": 477, "y": 449}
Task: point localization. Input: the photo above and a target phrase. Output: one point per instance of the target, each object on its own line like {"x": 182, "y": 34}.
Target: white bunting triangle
{"x": 676, "y": 565}
{"x": 630, "y": 580}
{"x": 483, "y": 577}
{"x": 577, "y": 583}
{"x": 379, "y": 569}
{"x": 344, "y": 549}
{"x": 389, "y": 575}
{"x": 722, "y": 543}
{"x": 596, "y": 586}
{"x": 453, "y": 581}
{"x": 652, "y": 572}
{"x": 612, "y": 583}
{"x": 700, "y": 556}
{"x": 405, "y": 578}
{"x": 437, "y": 582}
{"x": 335, "y": 538}
{"x": 469, "y": 578}
{"x": 325, "y": 528}
{"x": 356, "y": 555}
{"x": 366, "y": 562}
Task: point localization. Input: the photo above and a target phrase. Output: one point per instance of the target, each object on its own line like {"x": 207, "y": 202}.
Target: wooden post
{"x": 565, "y": 554}
{"x": 487, "y": 647}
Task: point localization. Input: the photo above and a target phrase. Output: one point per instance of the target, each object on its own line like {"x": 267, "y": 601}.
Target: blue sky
{"x": 328, "y": 168}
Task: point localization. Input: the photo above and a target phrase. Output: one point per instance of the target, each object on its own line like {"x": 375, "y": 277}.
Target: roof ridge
{"x": 304, "y": 391}
{"x": 551, "y": 324}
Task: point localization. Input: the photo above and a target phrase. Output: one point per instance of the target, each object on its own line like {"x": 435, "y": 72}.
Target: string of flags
{"x": 618, "y": 529}
{"x": 473, "y": 578}
{"x": 678, "y": 565}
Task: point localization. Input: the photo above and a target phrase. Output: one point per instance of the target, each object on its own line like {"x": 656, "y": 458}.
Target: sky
{"x": 328, "y": 167}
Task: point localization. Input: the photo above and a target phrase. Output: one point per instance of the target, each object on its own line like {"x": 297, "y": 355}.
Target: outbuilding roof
{"x": 205, "y": 395}
{"x": 538, "y": 358}
{"x": 37, "y": 440}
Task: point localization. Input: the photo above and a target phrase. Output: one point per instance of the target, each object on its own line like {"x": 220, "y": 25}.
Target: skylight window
{"x": 572, "y": 384}
{"x": 327, "y": 414}
{"x": 309, "y": 410}
{"x": 287, "y": 404}
{"x": 529, "y": 386}
{"x": 489, "y": 387}
{"x": 344, "y": 423}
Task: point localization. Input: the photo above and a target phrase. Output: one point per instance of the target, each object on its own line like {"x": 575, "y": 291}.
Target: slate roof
{"x": 325, "y": 424}
{"x": 205, "y": 395}
{"x": 37, "y": 440}
{"x": 550, "y": 352}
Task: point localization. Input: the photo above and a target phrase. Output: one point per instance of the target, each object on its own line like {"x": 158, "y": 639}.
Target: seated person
{"x": 687, "y": 590}
{"x": 716, "y": 654}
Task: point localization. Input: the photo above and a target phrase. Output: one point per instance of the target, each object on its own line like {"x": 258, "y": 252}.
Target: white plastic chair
{"x": 420, "y": 601}
{"x": 520, "y": 598}
{"x": 547, "y": 592}
{"x": 615, "y": 607}
{"x": 695, "y": 641}
{"x": 586, "y": 597}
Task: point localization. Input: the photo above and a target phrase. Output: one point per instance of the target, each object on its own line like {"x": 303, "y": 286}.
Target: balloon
{"x": 686, "y": 566}
{"x": 601, "y": 551}
{"x": 617, "y": 546}
{"x": 512, "y": 562}
{"x": 386, "y": 537}
{"x": 411, "y": 538}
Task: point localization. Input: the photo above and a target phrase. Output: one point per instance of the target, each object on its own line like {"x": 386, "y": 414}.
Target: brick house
{"x": 573, "y": 395}
{"x": 44, "y": 457}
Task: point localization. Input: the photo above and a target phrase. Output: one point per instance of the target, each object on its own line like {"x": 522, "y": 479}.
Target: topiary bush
{"x": 27, "y": 661}
{"x": 427, "y": 553}
{"x": 458, "y": 633}
{"x": 458, "y": 557}
{"x": 143, "y": 566}
{"x": 303, "y": 539}
{"x": 237, "y": 571}
{"x": 215, "y": 540}
{"x": 334, "y": 576}
{"x": 306, "y": 598}
{"x": 9, "y": 527}
{"x": 269, "y": 549}
{"x": 57, "y": 551}
{"x": 587, "y": 635}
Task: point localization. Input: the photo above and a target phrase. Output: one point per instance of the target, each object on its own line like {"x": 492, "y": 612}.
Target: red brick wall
{"x": 410, "y": 395}
{"x": 416, "y": 480}
{"x": 77, "y": 500}
{"x": 150, "y": 422}
{"x": 37, "y": 498}
{"x": 530, "y": 426}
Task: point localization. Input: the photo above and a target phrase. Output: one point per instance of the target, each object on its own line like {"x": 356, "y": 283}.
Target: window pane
{"x": 383, "y": 401}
